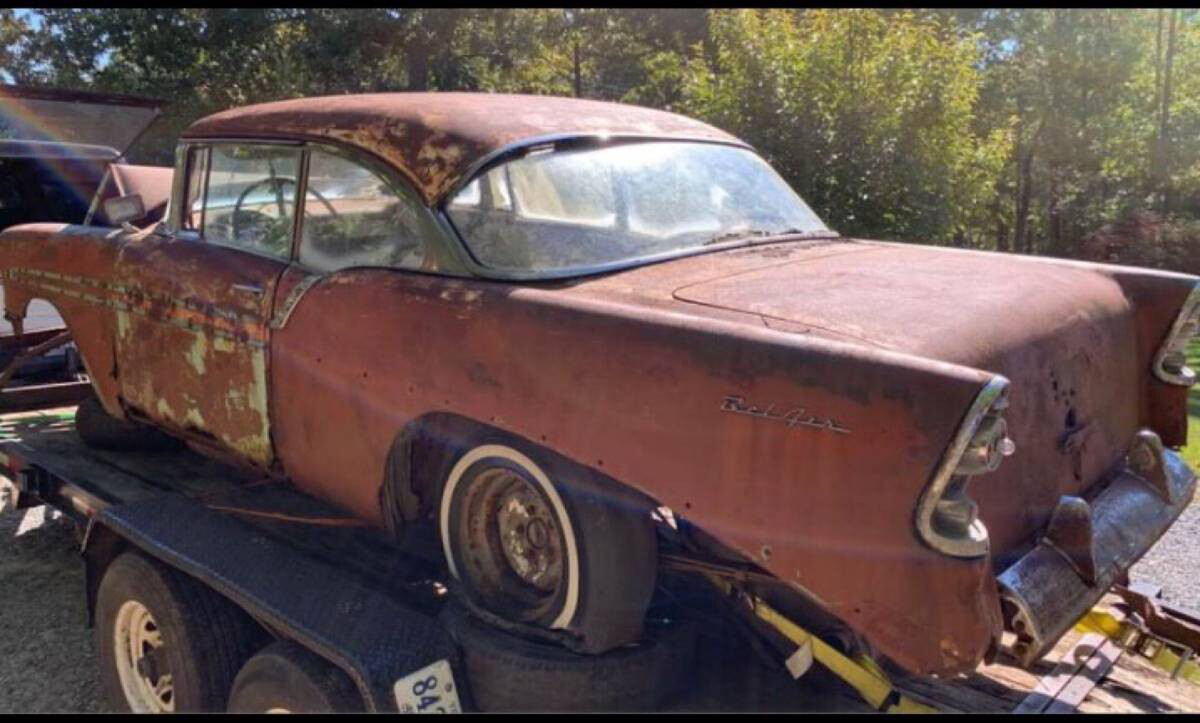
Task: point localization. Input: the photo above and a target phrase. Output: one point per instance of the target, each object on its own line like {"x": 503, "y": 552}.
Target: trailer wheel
{"x": 166, "y": 642}
{"x": 509, "y": 673}
{"x": 284, "y": 677}
{"x": 578, "y": 553}
{"x": 98, "y": 429}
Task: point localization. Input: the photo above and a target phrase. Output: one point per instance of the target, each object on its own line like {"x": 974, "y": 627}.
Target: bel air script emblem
{"x": 796, "y": 417}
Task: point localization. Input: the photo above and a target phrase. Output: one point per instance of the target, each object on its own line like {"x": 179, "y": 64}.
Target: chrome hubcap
{"x": 529, "y": 536}
{"x": 513, "y": 551}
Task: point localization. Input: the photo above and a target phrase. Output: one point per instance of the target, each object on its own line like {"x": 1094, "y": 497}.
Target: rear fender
{"x": 611, "y": 521}
{"x": 425, "y": 450}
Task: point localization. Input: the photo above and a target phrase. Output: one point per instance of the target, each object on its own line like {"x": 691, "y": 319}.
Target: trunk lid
{"x": 67, "y": 116}
{"x": 1065, "y": 336}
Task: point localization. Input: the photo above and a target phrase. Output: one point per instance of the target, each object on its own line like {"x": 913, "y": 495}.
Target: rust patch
{"x": 435, "y": 138}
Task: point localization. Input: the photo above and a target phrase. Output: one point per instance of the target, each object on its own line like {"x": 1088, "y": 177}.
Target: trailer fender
{"x": 99, "y": 548}
{"x": 333, "y": 612}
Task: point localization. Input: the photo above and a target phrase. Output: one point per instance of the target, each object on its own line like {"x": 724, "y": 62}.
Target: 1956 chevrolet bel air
{"x": 529, "y": 323}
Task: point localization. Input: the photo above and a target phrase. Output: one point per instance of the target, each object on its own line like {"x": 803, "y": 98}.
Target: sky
{"x": 34, "y": 18}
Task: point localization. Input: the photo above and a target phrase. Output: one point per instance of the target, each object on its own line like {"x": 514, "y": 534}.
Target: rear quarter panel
{"x": 637, "y": 393}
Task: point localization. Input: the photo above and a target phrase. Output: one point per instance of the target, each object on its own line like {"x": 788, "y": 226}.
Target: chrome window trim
{"x": 402, "y": 185}
{"x": 958, "y": 547}
{"x": 399, "y": 184}
{"x": 596, "y": 138}
{"x": 452, "y": 243}
{"x": 1186, "y": 377}
{"x": 285, "y": 259}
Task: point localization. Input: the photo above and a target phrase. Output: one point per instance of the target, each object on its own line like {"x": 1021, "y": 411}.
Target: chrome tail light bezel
{"x": 1185, "y": 328}
{"x": 949, "y": 479}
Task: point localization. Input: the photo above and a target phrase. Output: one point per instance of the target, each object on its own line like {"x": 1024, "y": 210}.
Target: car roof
{"x": 437, "y": 139}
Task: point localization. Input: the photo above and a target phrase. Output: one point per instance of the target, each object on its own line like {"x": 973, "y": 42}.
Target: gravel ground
{"x": 47, "y": 657}
{"x": 1174, "y": 562}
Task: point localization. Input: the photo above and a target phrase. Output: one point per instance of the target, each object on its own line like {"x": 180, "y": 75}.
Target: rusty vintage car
{"x": 536, "y": 324}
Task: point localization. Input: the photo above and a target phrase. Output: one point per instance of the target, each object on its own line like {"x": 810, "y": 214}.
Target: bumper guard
{"x": 1088, "y": 546}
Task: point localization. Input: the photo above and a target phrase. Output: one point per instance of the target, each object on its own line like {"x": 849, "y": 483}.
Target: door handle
{"x": 248, "y": 289}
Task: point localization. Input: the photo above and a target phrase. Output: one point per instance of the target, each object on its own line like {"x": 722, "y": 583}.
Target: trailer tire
{"x": 510, "y": 673}
{"x": 100, "y": 430}
{"x": 286, "y": 677}
{"x": 178, "y": 627}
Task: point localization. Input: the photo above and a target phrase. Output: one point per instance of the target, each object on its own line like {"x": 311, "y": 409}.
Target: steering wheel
{"x": 277, "y": 182}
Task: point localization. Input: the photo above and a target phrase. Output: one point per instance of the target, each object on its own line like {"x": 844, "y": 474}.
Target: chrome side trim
{"x": 1184, "y": 377}
{"x": 976, "y": 544}
{"x": 284, "y": 312}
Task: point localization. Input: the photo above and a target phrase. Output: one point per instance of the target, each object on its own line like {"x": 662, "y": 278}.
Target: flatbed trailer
{"x": 307, "y": 573}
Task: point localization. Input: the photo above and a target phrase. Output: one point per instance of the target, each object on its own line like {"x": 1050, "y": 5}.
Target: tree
{"x": 1017, "y": 129}
{"x": 866, "y": 113}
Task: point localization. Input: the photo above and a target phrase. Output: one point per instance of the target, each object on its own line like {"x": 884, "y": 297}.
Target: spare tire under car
{"x": 510, "y": 673}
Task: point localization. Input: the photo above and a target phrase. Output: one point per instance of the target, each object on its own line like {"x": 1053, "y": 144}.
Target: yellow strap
{"x": 864, "y": 675}
{"x": 1098, "y": 621}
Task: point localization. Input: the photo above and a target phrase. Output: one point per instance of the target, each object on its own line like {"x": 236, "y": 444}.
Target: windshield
{"x": 559, "y": 211}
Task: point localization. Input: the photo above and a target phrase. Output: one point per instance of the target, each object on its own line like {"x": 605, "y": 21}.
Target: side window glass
{"x": 193, "y": 206}
{"x": 250, "y": 200}
{"x": 354, "y": 217}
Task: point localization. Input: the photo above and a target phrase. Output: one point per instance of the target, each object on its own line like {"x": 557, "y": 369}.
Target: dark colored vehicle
{"x": 536, "y": 325}
{"x": 56, "y": 147}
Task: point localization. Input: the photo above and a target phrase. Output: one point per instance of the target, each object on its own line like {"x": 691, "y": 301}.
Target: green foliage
{"x": 1039, "y": 131}
{"x": 1191, "y": 453}
{"x": 867, "y": 112}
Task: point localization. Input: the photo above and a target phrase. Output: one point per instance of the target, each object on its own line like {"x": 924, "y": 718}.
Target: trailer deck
{"x": 179, "y": 492}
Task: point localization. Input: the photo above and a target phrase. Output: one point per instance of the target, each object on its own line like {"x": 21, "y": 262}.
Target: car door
{"x": 363, "y": 242}
{"x": 192, "y": 345}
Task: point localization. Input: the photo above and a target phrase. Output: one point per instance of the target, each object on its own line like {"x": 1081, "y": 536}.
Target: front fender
{"x": 71, "y": 268}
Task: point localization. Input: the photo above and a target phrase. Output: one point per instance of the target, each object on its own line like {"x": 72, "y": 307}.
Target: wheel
{"x": 509, "y": 673}
{"x": 287, "y": 678}
{"x": 166, "y": 642}
{"x": 576, "y": 554}
{"x": 98, "y": 429}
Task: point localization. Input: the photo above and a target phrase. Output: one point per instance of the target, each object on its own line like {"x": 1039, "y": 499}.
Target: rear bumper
{"x": 1090, "y": 544}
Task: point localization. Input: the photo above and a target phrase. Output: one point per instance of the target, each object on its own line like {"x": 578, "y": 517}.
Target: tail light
{"x": 947, "y": 517}
{"x": 1170, "y": 365}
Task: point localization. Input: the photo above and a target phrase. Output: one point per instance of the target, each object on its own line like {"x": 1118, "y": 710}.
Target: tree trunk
{"x": 1156, "y": 150}
{"x": 1164, "y": 137}
{"x": 1024, "y": 169}
{"x": 578, "y": 73}
{"x": 1024, "y": 197}
{"x": 1003, "y": 243}
{"x": 417, "y": 63}
{"x": 1158, "y": 41}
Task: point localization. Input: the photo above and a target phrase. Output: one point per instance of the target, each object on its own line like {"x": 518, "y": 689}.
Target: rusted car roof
{"x": 435, "y": 138}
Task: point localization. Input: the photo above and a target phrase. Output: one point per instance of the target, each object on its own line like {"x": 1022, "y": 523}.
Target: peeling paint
{"x": 197, "y": 351}
{"x": 122, "y": 325}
